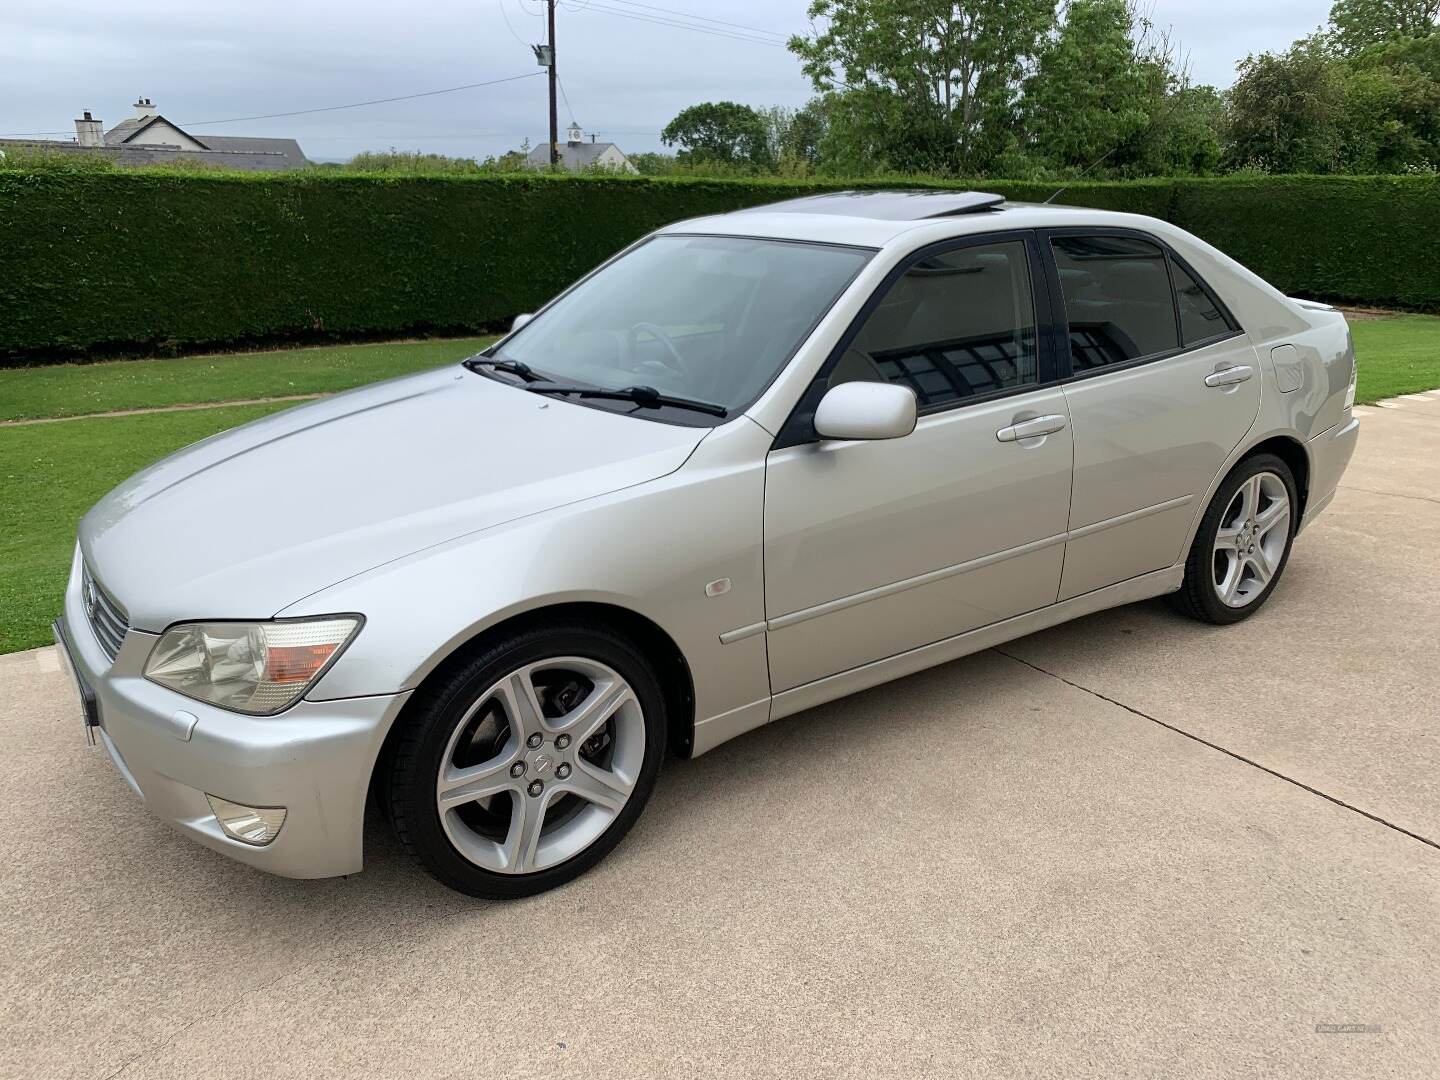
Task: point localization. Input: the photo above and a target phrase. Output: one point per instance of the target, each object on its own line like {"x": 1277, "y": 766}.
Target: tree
{"x": 1284, "y": 111}
{"x": 1355, "y": 25}
{"x": 1314, "y": 109}
{"x": 1089, "y": 95}
{"x": 1184, "y": 138}
{"x": 794, "y": 136}
{"x": 922, "y": 84}
{"x": 1391, "y": 121}
{"x": 720, "y": 131}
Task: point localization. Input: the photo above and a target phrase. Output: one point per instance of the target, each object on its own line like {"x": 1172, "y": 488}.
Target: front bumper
{"x": 314, "y": 759}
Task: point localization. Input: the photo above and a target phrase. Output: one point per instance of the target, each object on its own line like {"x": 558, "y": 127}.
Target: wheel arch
{"x": 1287, "y": 446}
{"x": 1290, "y": 450}
{"x": 671, "y": 665}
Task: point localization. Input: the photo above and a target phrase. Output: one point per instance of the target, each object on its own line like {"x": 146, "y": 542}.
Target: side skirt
{"x": 716, "y": 730}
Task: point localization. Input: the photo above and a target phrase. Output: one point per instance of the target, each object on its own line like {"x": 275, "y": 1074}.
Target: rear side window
{"x": 1117, "y": 299}
{"x": 954, "y": 326}
{"x": 1200, "y": 317}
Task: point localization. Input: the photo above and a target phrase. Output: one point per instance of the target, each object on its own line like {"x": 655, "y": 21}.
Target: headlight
{"x": 258, "y": 668}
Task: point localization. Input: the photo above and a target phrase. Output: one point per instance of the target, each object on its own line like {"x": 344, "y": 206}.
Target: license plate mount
{"x": 89, "y": 705}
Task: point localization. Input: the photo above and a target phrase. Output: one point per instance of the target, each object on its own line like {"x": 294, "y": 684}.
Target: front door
{"x": 874, "y": 548}
{"x": 1164, "y": 386}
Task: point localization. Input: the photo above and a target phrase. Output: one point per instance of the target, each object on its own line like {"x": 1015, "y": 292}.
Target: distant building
{"x": 147, "y": 138}
{"x": 577, "y": 155}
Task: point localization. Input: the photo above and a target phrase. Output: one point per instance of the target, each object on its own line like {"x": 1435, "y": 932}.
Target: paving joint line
{"x": 1391, "y": 494}
{"x": 192, "y": 407}
{"x": 1399, "y": 408}
{"x": 1228, "y": 753}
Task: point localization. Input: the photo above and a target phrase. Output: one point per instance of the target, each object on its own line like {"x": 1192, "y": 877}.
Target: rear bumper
{"x": 315, "y": 759}
{"x": 1330, "y": 453}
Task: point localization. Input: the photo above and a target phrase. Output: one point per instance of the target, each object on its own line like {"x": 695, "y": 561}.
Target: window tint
{"x": 953, "y": 326}
{"x": 709, "y": 317}
{"x": 1117, "y": 299}
{"x": 1200, "y": 319}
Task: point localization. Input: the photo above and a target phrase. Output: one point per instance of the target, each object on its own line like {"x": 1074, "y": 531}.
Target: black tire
{"x": 1197, "y": 597}
{"x": 431, "y": 717}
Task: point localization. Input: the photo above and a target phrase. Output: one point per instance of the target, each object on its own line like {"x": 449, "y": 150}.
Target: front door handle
{"x": 1031, "y": 429}
{"x": 1229, "y": 376}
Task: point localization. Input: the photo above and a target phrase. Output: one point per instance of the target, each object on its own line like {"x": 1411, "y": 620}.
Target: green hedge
{"x": 1369, "y": 240}
{"x": 126, "y": 262}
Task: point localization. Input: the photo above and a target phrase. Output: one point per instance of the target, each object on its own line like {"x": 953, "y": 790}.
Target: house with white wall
{"x": 577, "y": 154}
{"x": 147, "y": 137}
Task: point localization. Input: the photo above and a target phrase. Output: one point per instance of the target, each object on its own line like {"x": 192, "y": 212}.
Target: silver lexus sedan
{"x": 751, "y": 464}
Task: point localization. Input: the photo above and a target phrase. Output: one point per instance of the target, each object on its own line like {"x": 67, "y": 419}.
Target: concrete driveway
{"x": 1129, "y": 846}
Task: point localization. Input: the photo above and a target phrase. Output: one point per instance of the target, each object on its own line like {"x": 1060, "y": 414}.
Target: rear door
{"x": 1163, "y": 385}
{"x": 873, "y": 548}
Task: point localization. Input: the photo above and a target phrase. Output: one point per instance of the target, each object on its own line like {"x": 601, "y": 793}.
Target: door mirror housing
{"x": 866, "y": 410}
{"x": 520, "y": 320}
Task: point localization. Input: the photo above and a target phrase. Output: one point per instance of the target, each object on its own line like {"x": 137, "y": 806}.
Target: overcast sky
{"x": 625, "y": 70}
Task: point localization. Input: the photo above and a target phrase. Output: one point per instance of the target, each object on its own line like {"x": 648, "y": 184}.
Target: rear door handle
{"x": 1229, "y": 376}
{"x": 1031, "y": 429}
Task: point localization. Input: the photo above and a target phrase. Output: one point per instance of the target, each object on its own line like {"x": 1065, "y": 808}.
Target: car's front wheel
{"x": 1243, "y": 542}
{"x": 524, "y": 766}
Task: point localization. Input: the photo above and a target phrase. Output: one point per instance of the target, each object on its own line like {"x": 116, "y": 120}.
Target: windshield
{"x": 713, "y": 318}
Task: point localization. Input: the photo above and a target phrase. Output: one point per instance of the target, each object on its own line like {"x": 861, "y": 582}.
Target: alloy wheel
{"x": 540, "y": 765}
{"x": 1251, "y": 539}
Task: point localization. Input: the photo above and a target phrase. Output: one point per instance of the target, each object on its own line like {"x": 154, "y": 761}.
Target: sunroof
{"x": 887, "y": 205}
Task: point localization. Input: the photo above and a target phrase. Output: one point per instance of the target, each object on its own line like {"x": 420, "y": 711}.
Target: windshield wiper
{"x": 510, "y": 367}
{"x": 646, "y": 396}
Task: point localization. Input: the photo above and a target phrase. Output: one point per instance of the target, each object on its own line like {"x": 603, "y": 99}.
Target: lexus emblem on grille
{"x": 90, "y": 600}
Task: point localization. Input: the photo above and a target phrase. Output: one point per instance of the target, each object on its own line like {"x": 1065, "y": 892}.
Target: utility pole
{"x": 554, "y": 116}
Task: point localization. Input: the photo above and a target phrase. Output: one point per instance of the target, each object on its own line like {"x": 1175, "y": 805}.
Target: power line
{"x": 664, "y": 20}
{"x": 659, "y": 20}
{"x": 702, "y": 18}
{"x": 327, "y": 108}
{"x": 505, "y": 15}
{"x": 565, "y": 97}
{"x": 360, "y": 104}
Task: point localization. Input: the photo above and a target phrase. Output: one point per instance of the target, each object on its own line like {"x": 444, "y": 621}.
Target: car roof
{"x": 876, "y": 219}
{"x": 887, "y": 205}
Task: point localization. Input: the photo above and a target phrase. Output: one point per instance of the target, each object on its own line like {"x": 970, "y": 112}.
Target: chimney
{"x": 574, "y": 136}
{"x": 144, "y": 109}
{"x": 89, "y": 131}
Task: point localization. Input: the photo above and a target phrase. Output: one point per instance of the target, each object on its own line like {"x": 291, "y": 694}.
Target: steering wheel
{"x": 673, "y": 361}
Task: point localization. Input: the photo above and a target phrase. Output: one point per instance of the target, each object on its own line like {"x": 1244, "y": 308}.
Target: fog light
{"x": 256, "y": 825}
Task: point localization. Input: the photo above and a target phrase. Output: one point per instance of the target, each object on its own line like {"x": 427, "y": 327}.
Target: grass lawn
{"x": 1398, "y": 355}
{"x": 77, "y": 389}
{"x": 50, "y": 474}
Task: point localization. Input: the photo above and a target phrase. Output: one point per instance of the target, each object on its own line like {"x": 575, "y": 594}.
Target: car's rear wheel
{"x": 527, "y": 764}
{"x": 1243, "y": 543}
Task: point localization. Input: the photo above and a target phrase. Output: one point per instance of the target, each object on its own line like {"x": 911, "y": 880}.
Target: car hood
{"x": 247, "y": 522}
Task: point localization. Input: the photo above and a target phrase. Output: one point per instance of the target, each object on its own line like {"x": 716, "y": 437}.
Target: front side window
{"x": 712, "y": 318}
{"x": 1117, "y": 299}
{"x": 954, "y": 326}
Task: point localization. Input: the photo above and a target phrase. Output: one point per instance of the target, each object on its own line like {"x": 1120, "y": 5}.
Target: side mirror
{"x": 520, "y": 320}
{"x": 866, "y": 410}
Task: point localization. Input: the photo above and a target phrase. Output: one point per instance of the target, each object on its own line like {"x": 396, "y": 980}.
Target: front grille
{"x": 107, "y": 618}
